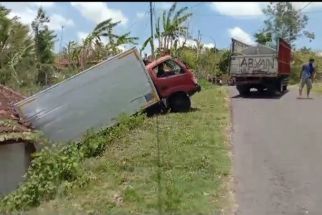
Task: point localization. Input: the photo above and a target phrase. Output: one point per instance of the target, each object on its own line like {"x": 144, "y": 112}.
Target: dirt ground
{"x": 8, "y": 98}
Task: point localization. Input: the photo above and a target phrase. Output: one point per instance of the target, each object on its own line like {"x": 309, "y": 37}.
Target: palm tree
{"x": 71, "y": 53}
{"x": 16, "y": 46}
{"x": 93, "y": 47}
{"x": 173, "y": 28}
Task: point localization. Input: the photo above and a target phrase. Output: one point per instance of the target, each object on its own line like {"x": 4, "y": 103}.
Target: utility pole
{"x": 157, "y": 126}
{"x": 152, "y": 35}
{"x": 198, "y": 45}
{"x": 61, "y": 38}
{"x": 198, "y": 41}
{"x": 215, "y": 59}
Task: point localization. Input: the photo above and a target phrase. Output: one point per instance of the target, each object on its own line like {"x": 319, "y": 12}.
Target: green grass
{"x": 194, "y": 166}
{"x": 317, "y": 88}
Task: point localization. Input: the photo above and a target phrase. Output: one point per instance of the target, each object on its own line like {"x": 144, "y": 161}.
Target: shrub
{"x": 58, "y": 165}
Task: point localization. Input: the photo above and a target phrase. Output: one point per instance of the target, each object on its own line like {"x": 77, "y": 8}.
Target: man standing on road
{"x": 307, "y": 75}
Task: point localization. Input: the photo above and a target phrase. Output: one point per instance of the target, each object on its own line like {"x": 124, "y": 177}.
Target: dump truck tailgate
{"x": 254, "y": 65}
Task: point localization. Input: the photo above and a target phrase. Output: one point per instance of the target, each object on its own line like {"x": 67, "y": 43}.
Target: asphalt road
{"x": 277, "y": 154}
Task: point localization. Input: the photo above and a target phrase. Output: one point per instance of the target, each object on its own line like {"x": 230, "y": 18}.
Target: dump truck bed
{"x": 92, "y": 99}
{"x": 260, "y": 61}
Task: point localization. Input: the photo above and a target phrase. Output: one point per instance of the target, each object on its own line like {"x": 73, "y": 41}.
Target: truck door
{"x": 284, "y": 57}
{"x": 168, "y": 75}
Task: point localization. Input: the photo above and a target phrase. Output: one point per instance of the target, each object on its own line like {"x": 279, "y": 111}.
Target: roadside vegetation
{"x": 58, "y": 168}
{"x": 317, "y": 88}
{"x": 117, "y": 171}
{"x": 301, "y": 57}
{"x": 29, "y": 64}
{"x": 193, "y": 171}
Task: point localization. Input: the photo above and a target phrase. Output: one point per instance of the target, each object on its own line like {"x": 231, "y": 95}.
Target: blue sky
{"x": 217, "y": 21}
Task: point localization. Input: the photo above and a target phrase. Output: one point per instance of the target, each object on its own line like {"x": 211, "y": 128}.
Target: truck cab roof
{"x": 158, "y": 61}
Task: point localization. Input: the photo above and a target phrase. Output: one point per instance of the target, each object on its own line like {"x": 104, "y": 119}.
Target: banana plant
{"x": 173, "y": 27}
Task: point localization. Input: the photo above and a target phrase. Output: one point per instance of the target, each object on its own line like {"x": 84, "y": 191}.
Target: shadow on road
{"x": 261, "y": 95}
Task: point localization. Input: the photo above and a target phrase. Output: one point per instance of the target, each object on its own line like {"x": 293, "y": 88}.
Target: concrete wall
{"x": 14, "y": 161}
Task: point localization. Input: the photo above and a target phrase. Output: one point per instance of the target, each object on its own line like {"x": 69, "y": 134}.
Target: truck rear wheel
{"x": 180, "y": 102}
{"x": 260, "y": 89}
{"x": 281, "y": 87}
{"x": 243, "y": 90}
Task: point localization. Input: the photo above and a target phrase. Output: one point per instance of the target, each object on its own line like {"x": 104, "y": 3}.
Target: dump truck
{"x": 260, "y": 67}
{"x": 94, "y": 99}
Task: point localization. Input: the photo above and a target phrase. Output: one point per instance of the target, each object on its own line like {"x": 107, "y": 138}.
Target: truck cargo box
{"x": 260, "y": 61}
{"x": 92, "y": 99}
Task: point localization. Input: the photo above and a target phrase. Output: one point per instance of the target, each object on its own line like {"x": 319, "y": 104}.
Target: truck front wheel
{"x": 180, "y": 102}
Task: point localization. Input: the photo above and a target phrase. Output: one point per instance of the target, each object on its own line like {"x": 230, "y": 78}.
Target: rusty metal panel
{"x": 92, "y": 99}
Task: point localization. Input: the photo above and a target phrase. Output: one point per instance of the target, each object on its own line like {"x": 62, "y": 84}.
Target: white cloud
{"x": 209, "y": 45}
{"x": 98, "y": 12}
{"x": 308, "y": 7}
{"x": 164, "y": 5}
{"x": 140, "y": 15}
{"x": 122, "y": 47}
{"x": 237, "y": 9}
{"x": 81, "y": 35}
{"x": 26, "y": 16}
{"x": 189, "y": 43}
{"x": 241, "y": 35}
{"x": 28, "y": 13}
{"x": 57, "y": 21}
{"x": 254, "y": 9}
{"x": 32, "y": 5}
{"x": 42, "y": 4}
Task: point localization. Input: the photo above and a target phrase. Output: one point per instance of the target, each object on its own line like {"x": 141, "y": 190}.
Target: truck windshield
{"x": 168, "y": 68}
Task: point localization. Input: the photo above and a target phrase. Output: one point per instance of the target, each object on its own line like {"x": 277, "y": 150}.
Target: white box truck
{"x": 92, "y": 99}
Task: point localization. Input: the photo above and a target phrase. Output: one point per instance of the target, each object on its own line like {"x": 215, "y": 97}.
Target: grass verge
{"x": 194, "y": 166}
{"x": 317, "y": 88}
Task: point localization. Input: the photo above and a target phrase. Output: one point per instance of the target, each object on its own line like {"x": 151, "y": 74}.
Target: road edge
{"x": 231, "y": 205}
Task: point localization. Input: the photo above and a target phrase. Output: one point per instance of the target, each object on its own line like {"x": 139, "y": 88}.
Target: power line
{"x": 196, "y": 5}
{"x": 317, "y": 11}
{"x": 245, "y": 16}
{"x": 137, "y": 20}
{"x": 305, "y": 6}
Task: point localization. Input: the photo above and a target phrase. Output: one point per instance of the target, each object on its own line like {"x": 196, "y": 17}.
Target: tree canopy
{"x": 284, "y": 21}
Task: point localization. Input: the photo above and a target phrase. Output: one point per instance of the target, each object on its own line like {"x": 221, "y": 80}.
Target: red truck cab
{"x": 174, "y": 82}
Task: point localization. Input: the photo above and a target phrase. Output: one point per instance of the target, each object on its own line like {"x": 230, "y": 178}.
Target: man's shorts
{"x": 306, "y": 81}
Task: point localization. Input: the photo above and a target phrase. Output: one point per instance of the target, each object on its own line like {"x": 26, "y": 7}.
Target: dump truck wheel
{"x": 243, "y": 91}
{"x": 180, "y": 102}
{"x": 281, "y": 87}
{"x": 260, "y": 90}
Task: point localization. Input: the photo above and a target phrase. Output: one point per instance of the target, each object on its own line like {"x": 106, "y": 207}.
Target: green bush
{"x": 295, "y": 74}
{"x": 205, "y": 84}
{"x": 204, "y": 64}
{"x": 60, "y": 167}
{"x": 299, "y": 58}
